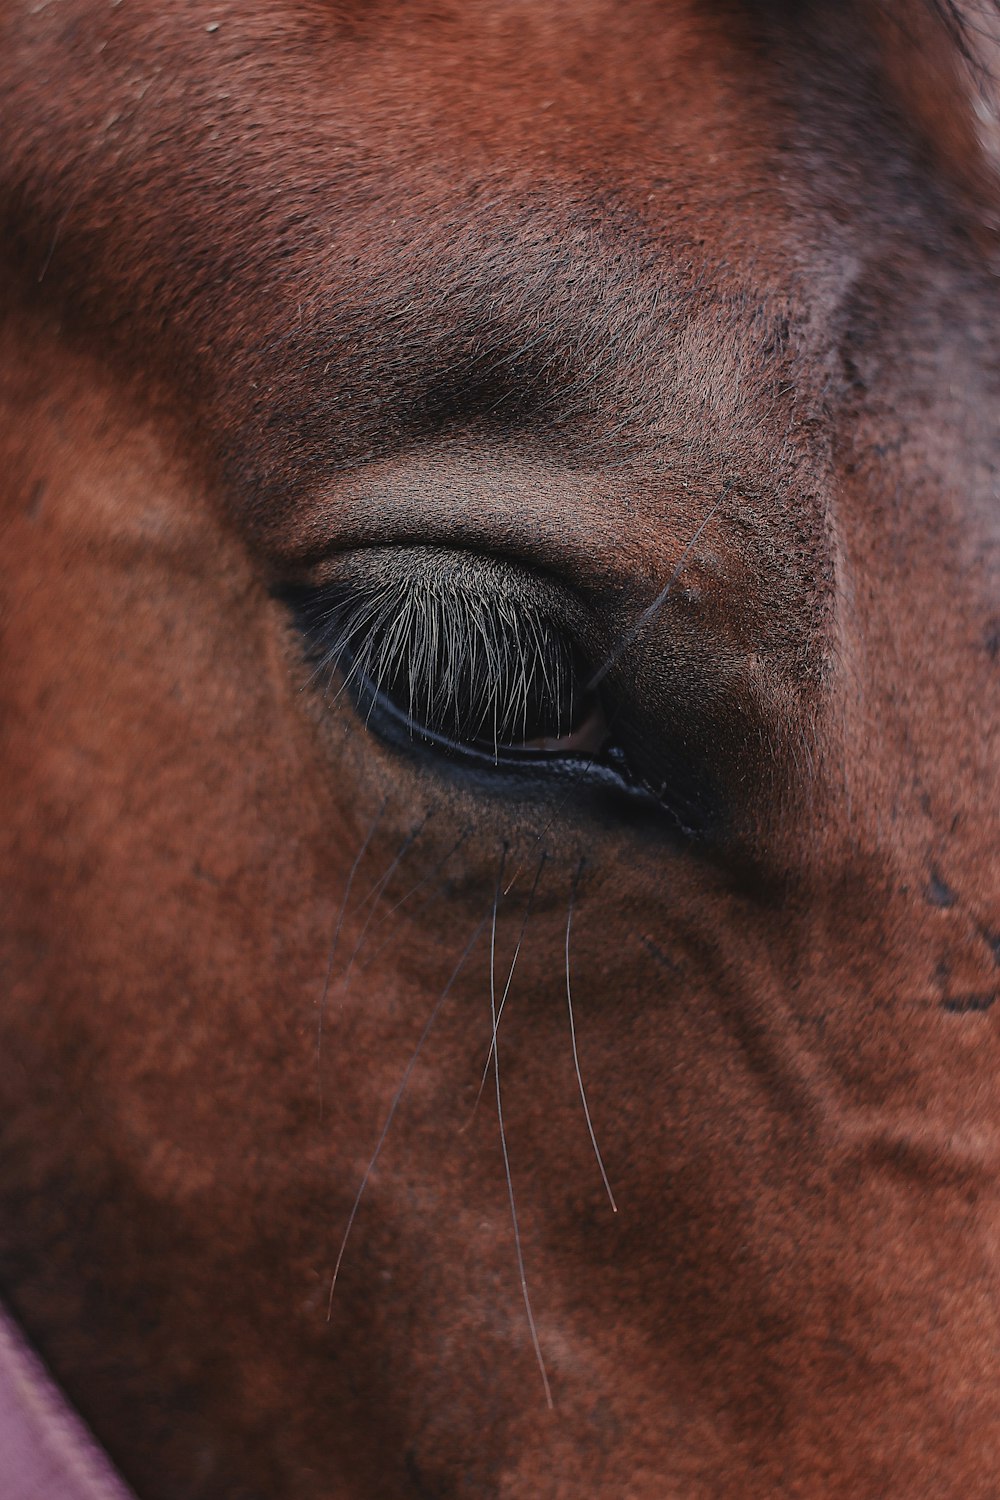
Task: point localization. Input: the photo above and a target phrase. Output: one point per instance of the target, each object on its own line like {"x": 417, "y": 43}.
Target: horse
{"x": 500, "y": 851}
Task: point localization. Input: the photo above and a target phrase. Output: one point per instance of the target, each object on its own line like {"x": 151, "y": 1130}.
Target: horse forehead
{"x": 479, "y": 212}
{"x": 455, "y": 132}
{"x": 555, "y": 325}
{"x": 558, "y": 365}
{"x": 374, "y": 232}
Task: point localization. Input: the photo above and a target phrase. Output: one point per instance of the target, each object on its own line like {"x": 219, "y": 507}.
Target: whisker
{"x": 424, "y": 879}
{"x": 576, "y": 1056}
{"x": 510, "y": 976}
{"x": 376, "y": 892}
{"x": 333, "y": 948}
{"x": 384, "y": 879}
{"x": 556, "y": 811}
{"x": 653, "y": 609}
{"x": 503, "y": 1145}
{"x": 396, "y": 1098}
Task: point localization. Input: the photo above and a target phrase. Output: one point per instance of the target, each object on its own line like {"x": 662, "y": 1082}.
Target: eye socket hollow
{"x": 465, "y": 650}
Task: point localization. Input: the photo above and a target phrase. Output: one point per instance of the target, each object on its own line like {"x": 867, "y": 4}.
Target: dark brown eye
{"x": 466, "y": 651}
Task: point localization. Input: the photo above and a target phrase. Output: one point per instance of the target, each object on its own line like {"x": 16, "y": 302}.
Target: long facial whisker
{"x": 576, "y": 1056}
{"x": 510, "y": 976}
{"x": 333, "y": 947}
{"x": 374, "y": 896}
{"x": 424, "y": 880}
{"x": 396, "y": 1099}
{"x": 431, "y": 898}
{"x": 653, "y": 609}
{"x": 503, "y": 1146}
{"x": 557, "y": 810}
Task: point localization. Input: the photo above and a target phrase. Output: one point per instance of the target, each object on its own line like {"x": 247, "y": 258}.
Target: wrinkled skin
{"x": 562, "y": 285}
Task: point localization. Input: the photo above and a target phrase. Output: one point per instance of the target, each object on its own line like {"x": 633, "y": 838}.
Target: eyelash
{"x": 466, "y": 662}
{"x": 481, "y": 662}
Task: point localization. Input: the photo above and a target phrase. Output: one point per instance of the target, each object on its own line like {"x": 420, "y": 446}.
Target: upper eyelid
{"x": 481, "y": 656}
{"x": 677, "y": 792}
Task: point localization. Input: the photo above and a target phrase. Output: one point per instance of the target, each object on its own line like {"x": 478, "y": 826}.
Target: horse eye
{"x": 461, "y": 651}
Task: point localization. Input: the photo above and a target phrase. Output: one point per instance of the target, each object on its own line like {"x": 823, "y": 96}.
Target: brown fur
{"x": 545, "y": 282}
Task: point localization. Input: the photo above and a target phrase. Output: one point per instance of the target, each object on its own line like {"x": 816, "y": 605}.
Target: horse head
{"x": 500, "y": 926}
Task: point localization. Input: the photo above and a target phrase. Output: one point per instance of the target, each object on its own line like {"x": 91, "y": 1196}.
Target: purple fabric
{"x": 46, "y": 1452}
